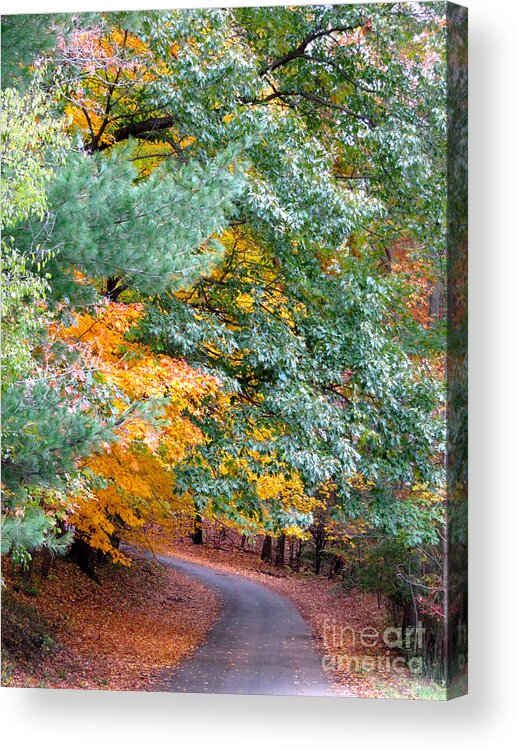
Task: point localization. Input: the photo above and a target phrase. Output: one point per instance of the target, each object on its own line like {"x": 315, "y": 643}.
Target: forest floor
{"x": 67, "y": 631}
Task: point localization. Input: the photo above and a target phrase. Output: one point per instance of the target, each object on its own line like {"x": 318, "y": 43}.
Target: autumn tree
{"x": 129, "y": 483}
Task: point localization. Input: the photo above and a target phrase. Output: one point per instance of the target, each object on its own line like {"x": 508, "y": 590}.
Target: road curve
{"x": 259, "y": 645}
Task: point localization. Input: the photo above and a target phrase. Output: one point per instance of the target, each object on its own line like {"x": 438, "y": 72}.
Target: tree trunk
{"x": 114, "y": 288}
{"x": 320, "y": 540}
{"x": 336, "y": 565}
{"x": 437, "y": 301}
{"x": 292, "y": 553}
{"x": 280, "y": 551}
{"x": 85, "y": 556}
{"x": 267, "y": 549}
{"x": 298, "y": 556}
{"x": 197, "y": 535}
{"x": 45, "y": 562}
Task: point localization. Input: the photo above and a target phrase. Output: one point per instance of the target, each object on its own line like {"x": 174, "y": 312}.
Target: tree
{"x": 43, "y": 434}
{"x": 129, "y": 482}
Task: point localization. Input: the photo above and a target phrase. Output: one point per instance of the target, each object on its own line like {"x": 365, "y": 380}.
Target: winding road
{"x": 259, "y": 645}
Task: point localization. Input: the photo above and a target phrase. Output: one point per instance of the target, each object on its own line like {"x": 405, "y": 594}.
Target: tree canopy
{"x": 224, "y": 261}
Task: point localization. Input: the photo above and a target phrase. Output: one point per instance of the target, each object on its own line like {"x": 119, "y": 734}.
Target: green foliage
{"x": 44, "y": 431}
{"x": 377, "y": 571}
{"x": 22, "y": 319}
{"x": 151, "y": 234}
{"x": 43, "y": 435}
{"x": 23, "y": 41}
{"x": 33, "y": 143}
{"x": 27, "y": 531}
{"x": 23, "y": 532}
{"x": 284, "y": 375}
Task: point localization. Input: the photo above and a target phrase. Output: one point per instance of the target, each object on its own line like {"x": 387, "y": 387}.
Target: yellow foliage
{"x": 135, "y": 473}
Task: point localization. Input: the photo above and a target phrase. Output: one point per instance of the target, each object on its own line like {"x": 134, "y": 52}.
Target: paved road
{"x": 260, "y": 644}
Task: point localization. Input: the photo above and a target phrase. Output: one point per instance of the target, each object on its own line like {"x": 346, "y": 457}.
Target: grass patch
{"x": 416, "y": 688}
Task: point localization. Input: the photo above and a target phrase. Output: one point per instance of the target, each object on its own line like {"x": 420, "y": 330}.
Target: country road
{"x": 259, "y": 644}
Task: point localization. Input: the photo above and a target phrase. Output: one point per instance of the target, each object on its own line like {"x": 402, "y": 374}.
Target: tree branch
{"x": 316, "y": 99}
{"x": 298, "y": 51}
{"x": 140, "y": 129}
